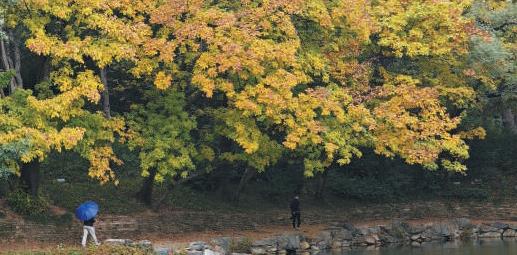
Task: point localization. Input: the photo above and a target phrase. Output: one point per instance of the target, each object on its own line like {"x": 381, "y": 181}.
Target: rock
{"x": 371, "y": 239}
{"x": 433, "y": 232}
{"x": 387, "y": 236}
{"x": 272, "y": 250}
{"x": 490, "y": 235}
{"x": 287, "y": 242}
{"x": 323, "y": 240}
{"x": 463, "y": 223}
{"x": 163, "y": 251}
{"x": 510, "y": 233}
{"x": 118, "y": 242}
{"x": 221, "y": 249}
{"x": 348, "y": 226}
{"x": 293, "y": 242}
{"x": 369, "y": 230}
{"x": 343, "y": 234}
{"x": 500, "y": 225}
{"x": 335, "y": 245}
{"x": 304, "y": 245}
{"x": 416, "y": 237}
{"x": 325, "y": 236}
{"x": 448, "y": 230}
{"x": 258, "y": 251}
{"x": 265, "y": 242}
{"x": 359, "y": 241}
{"x": 321, "y": 245}
{"x": 484, "y": 228}
{"x": 197, "y": 246}
{"x": 416, "y": 244}
{"x": 346, "y": 244}
{"x": 416, "y": 229}
{"x": 222, "y": 244}
{"x": 194, "y": 253}
{"x": 210, "y": 252}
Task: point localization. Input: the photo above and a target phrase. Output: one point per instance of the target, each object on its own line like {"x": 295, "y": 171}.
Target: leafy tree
{"x": 248, "y": 81}
{"x": 492, "y": 56}
{"x": 160, "y": 131}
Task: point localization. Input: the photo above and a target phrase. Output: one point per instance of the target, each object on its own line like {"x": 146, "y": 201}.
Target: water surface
{"x": 482, "y": 247}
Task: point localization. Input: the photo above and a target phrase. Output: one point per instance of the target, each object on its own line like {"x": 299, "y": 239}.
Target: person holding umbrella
{"x": 86, "y": 212}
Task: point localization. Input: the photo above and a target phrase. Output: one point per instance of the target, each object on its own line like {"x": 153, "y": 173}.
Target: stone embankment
{"x": 348, "y": 236}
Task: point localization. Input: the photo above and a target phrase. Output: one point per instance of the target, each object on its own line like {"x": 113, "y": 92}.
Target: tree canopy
{"x": 200, "y": 81}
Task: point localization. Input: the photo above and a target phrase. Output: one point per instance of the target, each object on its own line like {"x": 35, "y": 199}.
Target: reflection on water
{"x": 481, "y": 247}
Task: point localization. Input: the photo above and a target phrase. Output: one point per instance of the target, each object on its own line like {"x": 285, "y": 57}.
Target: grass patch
{"x": 91, "y": 250}
{"x": 111, "y": 199}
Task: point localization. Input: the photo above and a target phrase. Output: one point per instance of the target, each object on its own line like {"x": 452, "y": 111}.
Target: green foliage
{"x": 26, "y": 205}
{"x": 5, "y": 77}
{"x": 160, "y": 132}
{"x": 247, "y": 85}
{"x": 8, "y": 155}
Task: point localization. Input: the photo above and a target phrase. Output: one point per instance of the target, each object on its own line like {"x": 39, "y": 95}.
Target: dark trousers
{"x": 295, "y": 216}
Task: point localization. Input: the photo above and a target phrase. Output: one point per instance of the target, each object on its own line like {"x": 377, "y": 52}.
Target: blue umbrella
{"x": 87, "y": 210}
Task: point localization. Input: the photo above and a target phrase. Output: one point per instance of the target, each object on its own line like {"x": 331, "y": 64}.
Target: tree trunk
{"x": 509, "y": 120}
{"x": 17, "y": 60}
{"x": 322, "y": 183}
{"x": 45, "y": 73}
{"x": 248, "y": 174}
{"x": 30, "y": 177}
{"x": 161, "y": 199}
{"x": 170, "y": 188}
{"x": 105, "y": 94}
{"x": 146, "y": 193}
{"x": 7, "y": 66}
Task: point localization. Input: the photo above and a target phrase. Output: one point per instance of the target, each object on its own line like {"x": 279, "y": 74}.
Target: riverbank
{"x": 167, "y": 224}
{"x": 345, "y": 236}
{"x": 311, "y": 239}
{"x": 179, "y": 227}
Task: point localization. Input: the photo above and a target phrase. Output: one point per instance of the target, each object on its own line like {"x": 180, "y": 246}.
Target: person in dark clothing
{"x": 89, "y": 229}
{"x": 295, "y": 212}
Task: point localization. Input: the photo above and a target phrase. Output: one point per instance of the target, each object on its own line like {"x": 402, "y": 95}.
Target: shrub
{"x": 27, "y": 205}
{"x": 461, "y": 192}
{"x": 240, "y": 245}
{"x": 366, "y": 188}
{"x": 92, "y": 250}
{"x": 117, "y": 250}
